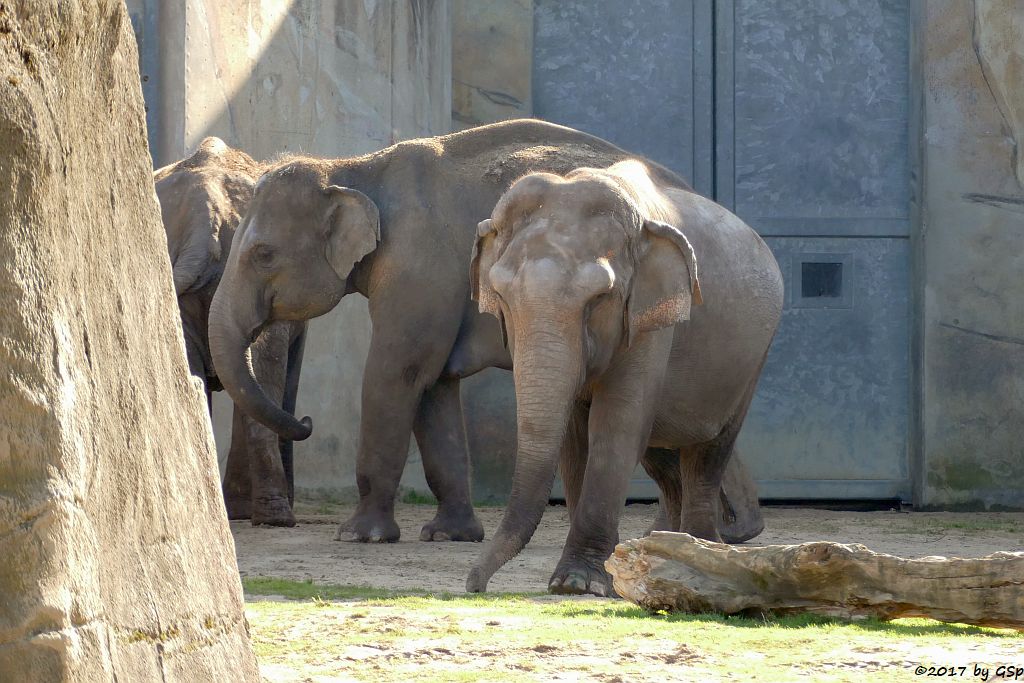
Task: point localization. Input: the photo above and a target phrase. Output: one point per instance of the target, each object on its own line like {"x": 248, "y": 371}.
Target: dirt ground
{"x": 308, "y": 550}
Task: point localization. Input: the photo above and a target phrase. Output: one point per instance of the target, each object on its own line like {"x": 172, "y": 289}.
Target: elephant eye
{"x": 262, "y": 255}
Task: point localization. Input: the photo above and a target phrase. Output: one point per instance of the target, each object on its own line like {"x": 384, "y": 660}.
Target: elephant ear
{"x": 193, "y": 213}
{"x": 665, "y": 282}
{"x": 353, "y": 228}
{"x": 484, "y": 256}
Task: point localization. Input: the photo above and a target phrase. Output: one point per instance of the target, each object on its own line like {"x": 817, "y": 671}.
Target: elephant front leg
{"x": 270, "y": 504}
{"x": 270, "y": 491}
{"x": 441, "y": 434}
{"x": 594, "y": 529}
{"x": 414, "y": 327}
{"x": 391, "y": 397}
{"x": 237, "y": 484}
{"x": 619, "y": 429}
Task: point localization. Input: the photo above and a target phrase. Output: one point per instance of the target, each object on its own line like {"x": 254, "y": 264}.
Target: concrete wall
{"x": 492, "y": 56}
{"x": 339, "y": 78}
{"x": 330, "y": 78}
{"x": 970, "y": 252}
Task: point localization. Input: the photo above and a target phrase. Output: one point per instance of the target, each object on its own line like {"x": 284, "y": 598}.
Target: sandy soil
{"x": 308, "y": 550}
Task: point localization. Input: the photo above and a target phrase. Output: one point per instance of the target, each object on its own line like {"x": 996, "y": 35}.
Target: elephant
{"x": 396, "y": 226}
{"x": 202, "y": 199}
{"x": 638, "y": 315}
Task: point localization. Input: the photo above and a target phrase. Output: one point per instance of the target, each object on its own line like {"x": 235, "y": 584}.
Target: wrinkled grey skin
{"x": 592, "y": 277}
{"x": 202, "y": 199}
{"x": 738, "y": 514}
{"x": 397, "y": 226}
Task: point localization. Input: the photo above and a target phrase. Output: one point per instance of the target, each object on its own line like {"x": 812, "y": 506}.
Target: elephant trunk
{"x": 230, "y": 336}
{"x": 546, "y": 370}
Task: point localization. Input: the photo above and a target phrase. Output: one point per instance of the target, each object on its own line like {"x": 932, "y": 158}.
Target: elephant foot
{"x": 661, "y": 522}
{"x": 238, "y": 508}
{"x": 581, "y": 577}
{"x": 453, "y": 527}
{"x": 272, "y": 511}
{"x": 367, "y": 527}
{"x": 704, "y": 529}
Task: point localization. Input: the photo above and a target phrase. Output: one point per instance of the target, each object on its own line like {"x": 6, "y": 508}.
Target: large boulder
{"x": 116, "y": 561}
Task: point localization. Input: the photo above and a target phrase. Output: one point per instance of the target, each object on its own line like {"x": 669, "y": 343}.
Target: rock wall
{"x": 116, "y": 562}
{"x": 970, "y": 260}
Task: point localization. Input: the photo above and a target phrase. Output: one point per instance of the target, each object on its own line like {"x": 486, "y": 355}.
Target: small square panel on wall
{"x": 821, "y": 281}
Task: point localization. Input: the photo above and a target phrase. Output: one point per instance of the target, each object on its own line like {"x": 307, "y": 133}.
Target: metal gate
{"x": 794, "y": 115}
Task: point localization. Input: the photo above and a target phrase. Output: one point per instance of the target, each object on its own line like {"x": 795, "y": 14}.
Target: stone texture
{"x": 969, "y": 261}
{"x": 998, "y": 32}
{"x": 680, "y": 572}
{"x": 486, "y": 88}
{"x": 116, "y": 562}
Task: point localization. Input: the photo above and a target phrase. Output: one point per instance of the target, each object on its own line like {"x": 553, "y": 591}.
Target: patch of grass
{"x": 320, "y": 592}
{"x": 411, "y": 497}
{"x": 390, "y": 636}
{"x": 307, "y": 590}
{"x": 321, "y": 506}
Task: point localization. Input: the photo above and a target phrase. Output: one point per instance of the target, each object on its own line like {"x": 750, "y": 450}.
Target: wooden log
{"x": 681, "y": 573}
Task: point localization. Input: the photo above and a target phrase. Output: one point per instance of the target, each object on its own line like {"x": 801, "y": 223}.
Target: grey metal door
{"x": 812, "y": 151}
{"x": 637, "y": 74}
{"x": 794, "y": 115}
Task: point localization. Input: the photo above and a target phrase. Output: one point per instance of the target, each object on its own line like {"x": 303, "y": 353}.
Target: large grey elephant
{"x": 397, "y": 226}
{"x": 592, "y": 277}
{"x": 202, "y": 199}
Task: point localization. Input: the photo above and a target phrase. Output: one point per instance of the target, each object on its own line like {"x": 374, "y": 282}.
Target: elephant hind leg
{"x": 662, "y": 466}
{"x": 702, "y": 467}
{"x": 441, "y": 434}
{"x": 738, "y": 512}
{"x": 739, "y": 515}
{"x": 296, "y": 349}
{"x": 237, "y": 484}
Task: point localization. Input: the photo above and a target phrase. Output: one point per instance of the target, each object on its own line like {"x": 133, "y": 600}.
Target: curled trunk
{"x": 230, "y": 338}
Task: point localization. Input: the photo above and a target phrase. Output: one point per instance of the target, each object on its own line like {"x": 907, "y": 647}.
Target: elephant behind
{"x": 202, "y": 200}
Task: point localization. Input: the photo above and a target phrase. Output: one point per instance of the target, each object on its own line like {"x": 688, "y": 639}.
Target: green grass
{"x": 307, "y": 590}
{"x": 396, "y": 636}
{"x": 412, "y": 497}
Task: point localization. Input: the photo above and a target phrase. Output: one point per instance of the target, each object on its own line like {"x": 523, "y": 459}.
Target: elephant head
{"x": 290, "y": 260}
{"x": 202, "y": 199}
{"x": 577, "y": 269}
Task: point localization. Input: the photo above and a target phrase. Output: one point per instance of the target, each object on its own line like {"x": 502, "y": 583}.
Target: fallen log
{"x": 677, "y": 572}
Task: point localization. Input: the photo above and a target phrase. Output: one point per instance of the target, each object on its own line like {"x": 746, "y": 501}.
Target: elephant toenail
{"x": 576, "y": 582}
